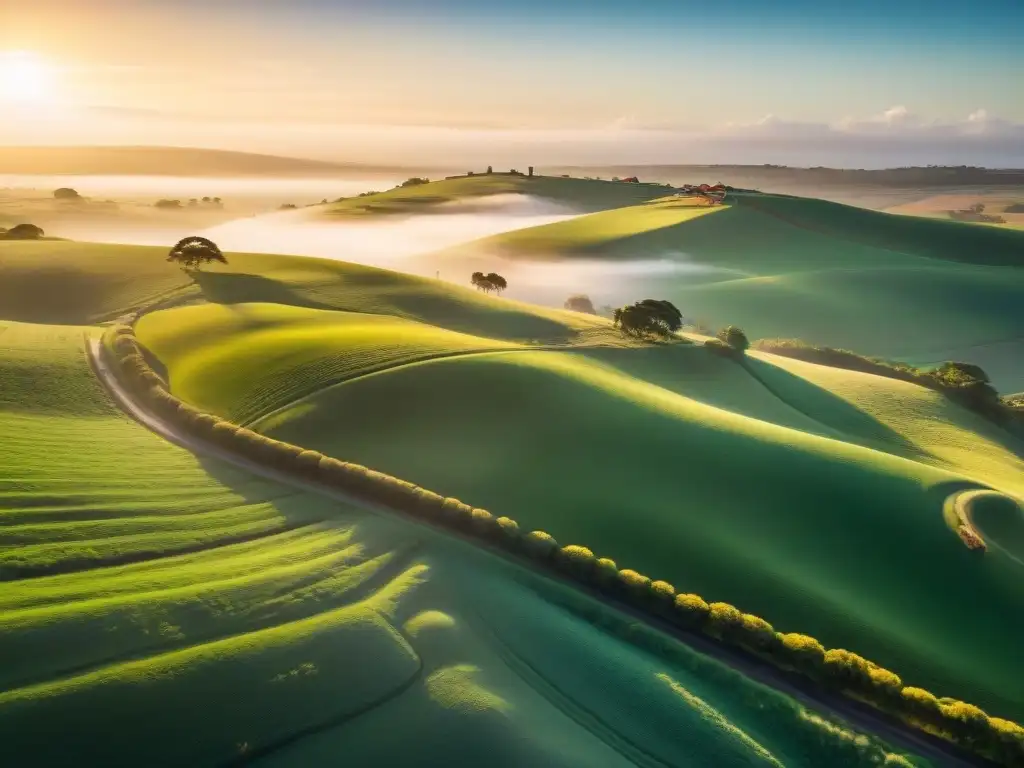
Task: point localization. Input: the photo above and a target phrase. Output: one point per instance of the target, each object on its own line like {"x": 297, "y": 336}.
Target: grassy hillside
{"x": 764, "y": 486}
{"x": 580, "y": 194}
{"x": 893, "y": 286}
{"x": 148, "y": 593}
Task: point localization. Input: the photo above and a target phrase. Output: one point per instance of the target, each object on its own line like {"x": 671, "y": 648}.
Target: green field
{"x": 166, "y": 593}
{"x": 579, "y": 194}
{"x": 893, "y": 286}
{"x": 636, "y": 452}
{"x": 148, "y": 593}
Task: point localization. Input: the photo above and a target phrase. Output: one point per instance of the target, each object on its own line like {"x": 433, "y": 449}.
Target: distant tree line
{"x": 838, "y": 670}
{"x": 206, "y": 202}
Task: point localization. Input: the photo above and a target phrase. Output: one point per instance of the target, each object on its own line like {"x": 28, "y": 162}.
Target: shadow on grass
{"x": 828, "y": 409}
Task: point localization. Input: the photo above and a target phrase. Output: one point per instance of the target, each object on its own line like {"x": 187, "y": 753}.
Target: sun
{"x": 25, "y": 78}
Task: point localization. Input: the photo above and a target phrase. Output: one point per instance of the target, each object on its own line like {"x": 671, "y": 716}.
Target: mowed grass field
{"x": 887, "y": 285}
{"x": 147, "y": 593}
{"x": 580, "y": 194}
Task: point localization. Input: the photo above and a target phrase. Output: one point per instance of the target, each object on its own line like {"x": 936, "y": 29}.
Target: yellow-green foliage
{"x": 663, "y": 593}
{"x": 605, "y": 571}
{"x": 540, "y": 544}
{"x": 577, "y": 560}
{"x": 692, "y": 610}
{"x": 633, "y": 582}
{"x": 803, "y": 652}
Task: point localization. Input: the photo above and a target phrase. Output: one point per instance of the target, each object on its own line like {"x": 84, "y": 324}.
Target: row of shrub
{"x": 837, "y": 669}
{"x": 964, "y": 383}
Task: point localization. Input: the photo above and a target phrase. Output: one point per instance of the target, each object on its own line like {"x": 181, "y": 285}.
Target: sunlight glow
{"x": 25, "y": 79}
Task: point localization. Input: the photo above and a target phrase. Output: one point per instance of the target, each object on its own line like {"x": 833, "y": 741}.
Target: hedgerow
{"x": 964, "y": 383}
{"x": 839, "y": 670}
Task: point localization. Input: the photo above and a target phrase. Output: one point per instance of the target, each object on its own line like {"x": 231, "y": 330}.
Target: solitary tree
{"x": 415, "y": 181}
{"x": 66, "y": 193}
{"x": 580, "y": 303}
{"x": 193, "y": 252}
{"x": 650, "y": 317}
{"x": 24, "y": 232}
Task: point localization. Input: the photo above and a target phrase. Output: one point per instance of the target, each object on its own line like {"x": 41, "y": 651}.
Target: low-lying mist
{"x": 385, "y": 240}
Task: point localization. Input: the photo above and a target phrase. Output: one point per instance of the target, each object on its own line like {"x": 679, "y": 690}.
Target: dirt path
{"x": 861, "y": 716}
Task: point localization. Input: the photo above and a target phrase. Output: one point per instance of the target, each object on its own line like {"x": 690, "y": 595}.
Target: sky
{"x": 854, "y": 84}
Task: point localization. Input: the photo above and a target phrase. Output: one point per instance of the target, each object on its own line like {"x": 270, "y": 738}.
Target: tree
{"x": 650, "y": 317}
{"x": 978, "y": 207}
{"x": 489, "y": 282}
{"x": 734, "y": 338}
{"x": 66, "y": 193}
{"x": 490, "y": 169}
{"x": 194, "y": 251}
{"x": 24, "y": 232}
{"x": 289, "y": 206}
{"x": 665, "y": 312}
{"x": 497, "y": 282}
{"x": 167, "y": 204}
{"x": 415, "y": 181}
{"x": 580, "y": 303}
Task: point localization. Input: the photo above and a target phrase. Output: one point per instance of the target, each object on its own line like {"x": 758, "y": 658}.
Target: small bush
{"x": 691, "y": 610}
{"x": 755, "y": 633}
{"x": 847, "y": 669}
{"x": 634, "y": 584}
{"x": 802, "y": 652}
{"x": 483, "y": 523}
{"x": 724, "y": 620}
{"x": 663, "y": 595}
{"x": 576, "y": 560}
{"x": 540, "y": 545}
{"x": 734, "y": 338}
{"x": 966, "y": 721}
{"x": 455, "y": 514}
{"x": 508, "y": 528}
{"x": 606, "y": 572}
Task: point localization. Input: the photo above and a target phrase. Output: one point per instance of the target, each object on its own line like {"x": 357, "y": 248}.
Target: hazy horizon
{"x": 870, "y": 85}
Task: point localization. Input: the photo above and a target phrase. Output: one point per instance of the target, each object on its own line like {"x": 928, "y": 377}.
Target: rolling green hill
{"x": 894, "y": 286}
{"x": 580, "y": 194}
{"x": 768, "y": 486}
{"x": 148, "y": 593}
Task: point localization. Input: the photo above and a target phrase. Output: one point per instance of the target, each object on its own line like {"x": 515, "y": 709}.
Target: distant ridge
{"x": 166, "y": 161}
{"x": 911, "y": 176}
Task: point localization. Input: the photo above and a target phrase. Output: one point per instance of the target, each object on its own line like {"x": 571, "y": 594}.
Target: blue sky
{"x": 735, "y": 70}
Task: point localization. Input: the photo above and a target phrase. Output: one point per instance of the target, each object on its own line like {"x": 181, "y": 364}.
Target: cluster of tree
{"x": 415, "y": 181}
{"x": 964, "y": 383}
{"x": 192, "y": 252}
{"x": 837, "y": 669}
{"x": 289, "y": 206}
{"x": 22, "y": 232}
{"x": 580, "y": 302}
{"x": 650, "y": 317}
{"x": 491, "y": 282}
{"x": 976, "y": 213}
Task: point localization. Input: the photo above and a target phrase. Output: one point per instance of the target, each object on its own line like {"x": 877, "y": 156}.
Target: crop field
{"x": 887, "y": 285}
{"x": 172, "y": 594}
